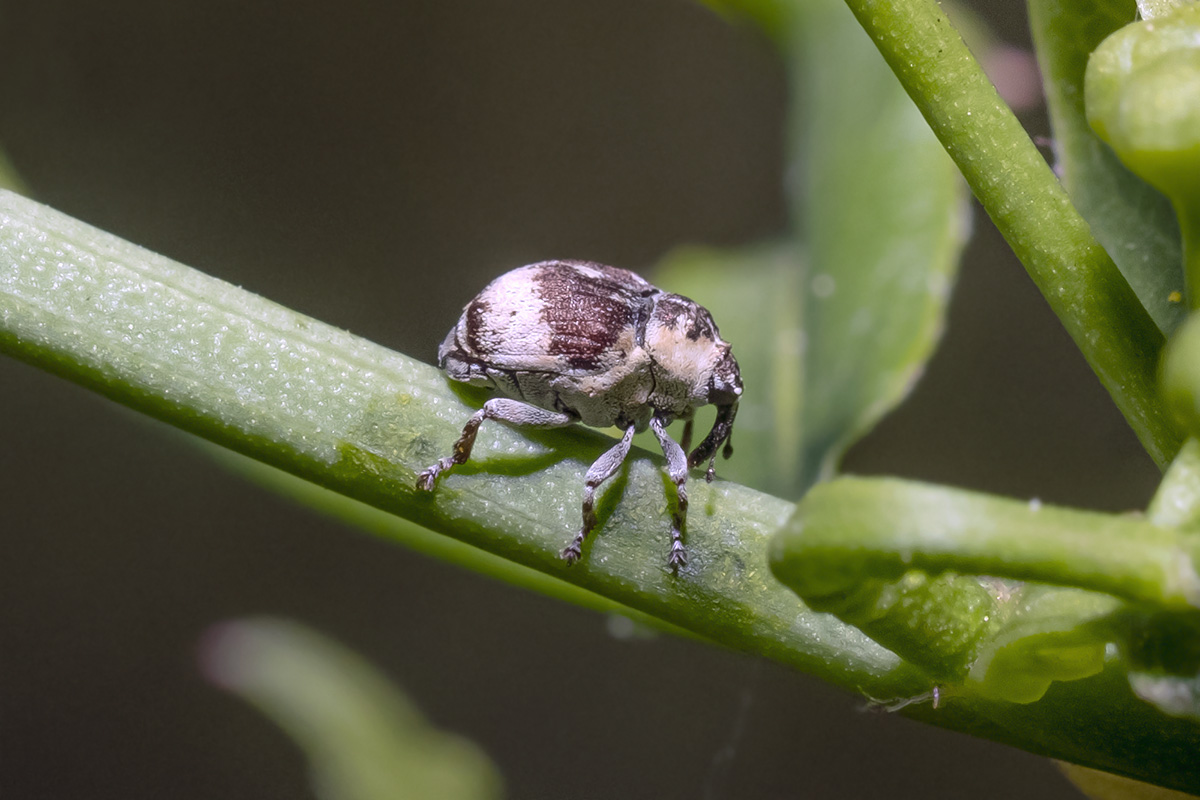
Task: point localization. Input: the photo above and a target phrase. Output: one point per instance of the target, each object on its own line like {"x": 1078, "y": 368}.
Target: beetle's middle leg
{"x": 501, "y": 409}
{"x": 677, "y": 468}
{"x": 604, "y": 468}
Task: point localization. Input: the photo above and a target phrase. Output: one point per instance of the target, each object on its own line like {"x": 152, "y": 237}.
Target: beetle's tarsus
{"x": 574, "y": 551}
{"x": 678, "y": 557}
{"x": 428, "y": 479}
{"x": 677, "y": 468}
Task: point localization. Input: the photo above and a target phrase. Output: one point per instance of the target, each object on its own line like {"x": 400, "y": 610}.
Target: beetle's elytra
{"x": 576, "y": 341}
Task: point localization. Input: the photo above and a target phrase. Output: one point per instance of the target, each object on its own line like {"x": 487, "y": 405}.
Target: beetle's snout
{"x": 725, "y": 387}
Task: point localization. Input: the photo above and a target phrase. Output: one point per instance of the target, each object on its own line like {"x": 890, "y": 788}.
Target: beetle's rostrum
{"x": 576, "y": 341}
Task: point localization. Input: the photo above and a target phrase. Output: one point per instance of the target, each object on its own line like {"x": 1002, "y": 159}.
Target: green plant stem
{"x": 1176, "y": 504}
{"x": 362, "y": 420}
{"x": 880, "y": 528}
{"x": 422, "y": 540}
{"x": 1028, "y": 205}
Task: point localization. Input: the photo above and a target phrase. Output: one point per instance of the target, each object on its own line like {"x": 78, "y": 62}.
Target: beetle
{"x": 578, "y": 341}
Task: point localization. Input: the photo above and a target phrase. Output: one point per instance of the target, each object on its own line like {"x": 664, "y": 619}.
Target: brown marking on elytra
{"x": 477, "y": 316}
{"x": 587, "y": 313}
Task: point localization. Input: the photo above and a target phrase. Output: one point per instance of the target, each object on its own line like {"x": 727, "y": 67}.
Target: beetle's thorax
{"x": 684, "y": 348}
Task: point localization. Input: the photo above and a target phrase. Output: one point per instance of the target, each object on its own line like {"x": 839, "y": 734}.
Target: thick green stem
{"x": 856, "y": 528}
{"x": 360, "y": 419}
{"x": 1028, "y": 205}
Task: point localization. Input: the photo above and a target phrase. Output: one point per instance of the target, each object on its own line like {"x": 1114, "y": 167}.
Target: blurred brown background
{"x": 374, "y": 164}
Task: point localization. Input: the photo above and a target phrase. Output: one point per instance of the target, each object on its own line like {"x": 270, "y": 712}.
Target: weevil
{"x": 577, "y": 341}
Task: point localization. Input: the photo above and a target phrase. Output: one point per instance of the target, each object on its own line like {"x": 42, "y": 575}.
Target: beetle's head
{"x": 725, "y": 384}
{"x": 693, "y": 364}
{"x": 724, "y": 390}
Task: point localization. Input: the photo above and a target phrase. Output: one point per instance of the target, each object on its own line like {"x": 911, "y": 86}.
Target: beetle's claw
{"x": 572, "y": 552}
{"x": 428, "y": 479}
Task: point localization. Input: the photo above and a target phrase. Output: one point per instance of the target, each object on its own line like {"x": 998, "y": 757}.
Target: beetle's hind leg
{"x": 604, "y": 468}
{"x": 510, "y": 412}
{"x": 677, "y": 468}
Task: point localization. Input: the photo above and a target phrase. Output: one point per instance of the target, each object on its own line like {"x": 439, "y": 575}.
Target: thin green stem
{"x": 1028, "y": 205}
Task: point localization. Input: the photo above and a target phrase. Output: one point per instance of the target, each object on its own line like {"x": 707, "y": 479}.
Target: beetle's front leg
{"x": 677, "y": 468}
{"x": 603, "y": 469}
{"x": 510, "y": 412}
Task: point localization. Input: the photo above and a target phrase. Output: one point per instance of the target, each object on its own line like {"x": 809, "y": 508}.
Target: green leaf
{"x": 775, "y": 17}
{"x": 8, "y": 175}
{"x": 1133, "y": 221}
{"x": 1047, "y": 635}
{"x": 832, "y": 335}
{"x": 885, "y": 217}
{"x": 363, "y": 737}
